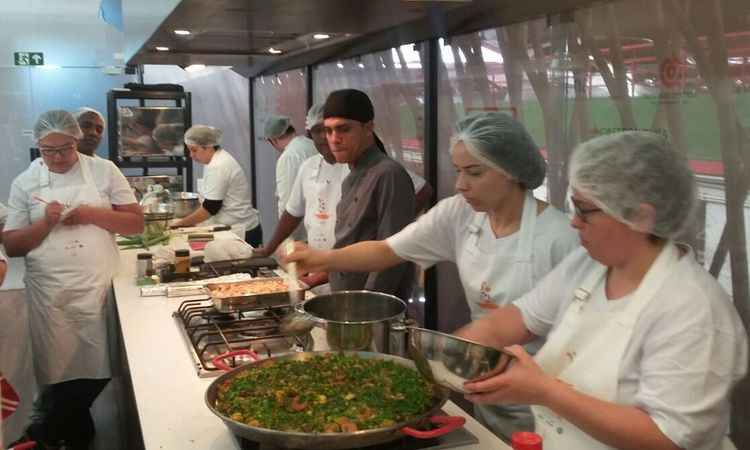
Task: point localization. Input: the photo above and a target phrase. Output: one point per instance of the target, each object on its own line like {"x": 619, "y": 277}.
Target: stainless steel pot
{"x": 185, "y": 203}
{"x": 332, "y": 441}
{"x": 360, "y": 320}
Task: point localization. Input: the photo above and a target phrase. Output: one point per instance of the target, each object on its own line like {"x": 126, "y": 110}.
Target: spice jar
{"x": 526, "y": 440}
{"x": 144, "y": 264}
{"x": 182, "y": 261}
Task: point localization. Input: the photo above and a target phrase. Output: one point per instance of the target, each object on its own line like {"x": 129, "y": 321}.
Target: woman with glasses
{"x": 643, "y": 345}
{"x": 226, "y": 195}
{"x": 501, "y": 238}
{"x": 63, "y": 213}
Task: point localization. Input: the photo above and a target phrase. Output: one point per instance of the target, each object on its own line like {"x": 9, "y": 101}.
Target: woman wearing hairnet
{"x": 502, "y": 239}
{"x": 225, "y": 191}
{"x": 63, "y": 213}
{"x": 643, "y": 345}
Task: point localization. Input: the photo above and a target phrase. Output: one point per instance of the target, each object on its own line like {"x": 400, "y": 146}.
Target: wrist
{"x": 552, "y": 389}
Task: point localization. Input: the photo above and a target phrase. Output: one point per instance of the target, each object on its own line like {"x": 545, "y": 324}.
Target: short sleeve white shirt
{"x": 315, "y": 194}
{"x": 485, "y": 263}
{"x": 687, "y": 350}
{"x": 108, "y": 179}
{"x": 287, "y": 166}
{"x": 3, "y": 213}
{"x": 224, "y": 180}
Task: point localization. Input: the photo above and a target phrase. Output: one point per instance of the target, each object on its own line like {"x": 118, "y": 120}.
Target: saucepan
{"x": 359, "y": 320}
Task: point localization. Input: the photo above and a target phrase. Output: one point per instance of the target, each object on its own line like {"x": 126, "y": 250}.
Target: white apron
{"x": 67, "y": 278}
{"x": 238, "y": 229}
{"x": 320, "y": 206}
{"x": 586, "y": 348}
{"x": 504, "y": 419}
{"x": 16, "y": 365}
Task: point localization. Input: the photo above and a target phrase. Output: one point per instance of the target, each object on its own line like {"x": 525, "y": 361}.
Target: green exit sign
{"x": 29, "y": 58}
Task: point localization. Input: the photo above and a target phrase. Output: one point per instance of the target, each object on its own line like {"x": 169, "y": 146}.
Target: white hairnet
{"x": 621, "y": 171}
{"x": 82, "y": 111}
{"x": 276, "y": 126}
{"x": 501, "y": 142}
{"x": 56, "y": 121}
{"x": 203, "y": 135}
{"x": 314, "y": 116}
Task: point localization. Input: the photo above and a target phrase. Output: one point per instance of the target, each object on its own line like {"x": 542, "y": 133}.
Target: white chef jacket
{"x": 687, "y": 350}
{"x": 315, "y": 194}
{"x": 107, "y": 177}
{"x": 449, "y": 232}
{"x": 287, "y": 166}
{"x": 223, "y": 179}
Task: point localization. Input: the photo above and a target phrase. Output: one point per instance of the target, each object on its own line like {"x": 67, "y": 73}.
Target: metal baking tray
{"x": 254, "y": 301}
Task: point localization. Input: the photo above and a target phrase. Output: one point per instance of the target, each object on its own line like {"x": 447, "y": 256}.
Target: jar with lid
{"x": 526, "y": 440}
{"x": 144, "y": 264}
{"x": 182, "y": 261}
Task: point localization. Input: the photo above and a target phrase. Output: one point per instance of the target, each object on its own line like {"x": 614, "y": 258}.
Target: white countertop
{"x": 169, "y": 394}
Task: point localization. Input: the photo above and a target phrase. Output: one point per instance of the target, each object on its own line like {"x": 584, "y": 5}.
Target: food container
{"x": 257, "y": 293}
{"x": 182, "y": 261}
{"x": 144, "y": 264}
{"x": 451, "y": 361}
{"x": 185, "y": 203}
{"x": 360, "y": 320}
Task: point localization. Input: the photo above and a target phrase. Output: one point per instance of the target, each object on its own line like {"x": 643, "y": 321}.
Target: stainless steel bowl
{"x": 185, "y": 203}
{"x": 451, "y": 361}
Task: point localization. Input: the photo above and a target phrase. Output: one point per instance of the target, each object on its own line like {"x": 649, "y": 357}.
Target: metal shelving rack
{"x": 182, "y": 164}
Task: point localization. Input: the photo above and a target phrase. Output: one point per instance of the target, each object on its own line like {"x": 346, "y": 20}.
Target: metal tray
{"x": 253, "y": 301}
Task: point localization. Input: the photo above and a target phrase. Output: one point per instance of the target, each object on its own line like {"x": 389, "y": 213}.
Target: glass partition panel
{"x": 281, "y": 94}
{"x": 394, "y": 80}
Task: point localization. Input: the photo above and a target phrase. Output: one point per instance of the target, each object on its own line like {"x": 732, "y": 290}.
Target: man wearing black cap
{"x": 377, "y": 197}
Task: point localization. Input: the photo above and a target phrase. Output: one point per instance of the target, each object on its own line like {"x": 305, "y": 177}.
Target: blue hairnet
{"x": 203, "y": 135}
{"x": 276, "y": 126}
{"x": 621, "y": 171}
{"x": 314, "y": 116}
{"x": 56, "y": 121}
{"x": 501, "y": 142}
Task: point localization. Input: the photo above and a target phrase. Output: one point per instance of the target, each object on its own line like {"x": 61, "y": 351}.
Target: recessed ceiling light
{"x": 339, "y": 65}
{"x": 162, "y": 49}
{"x": 182, "y": 32}
{"x": 274, "y": 51}
{"x": 195, "y": 67}
{"x": 321, "y": 36}
{"x": 361, "y": 66}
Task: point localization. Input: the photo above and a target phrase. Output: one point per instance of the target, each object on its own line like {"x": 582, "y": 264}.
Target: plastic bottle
{"x": 526, "y": 440}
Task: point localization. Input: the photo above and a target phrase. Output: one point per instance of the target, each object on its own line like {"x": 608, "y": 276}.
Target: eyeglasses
{"x": 581, "y": 212}
{"x": 61, "y": 150}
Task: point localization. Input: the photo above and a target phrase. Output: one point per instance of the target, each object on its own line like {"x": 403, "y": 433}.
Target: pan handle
{"x": 28, "y": 445}
{"x": 219, "y": 363}
{"x": 447, "y": 424}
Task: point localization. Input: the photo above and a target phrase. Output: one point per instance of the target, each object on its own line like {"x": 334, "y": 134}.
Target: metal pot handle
{"x": 447, "y": 424}
{"x": 219, "y": 363}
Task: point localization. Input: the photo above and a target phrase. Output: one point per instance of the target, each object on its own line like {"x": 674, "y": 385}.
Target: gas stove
{"x": 199, "y": 270}
{"x": 210, "y": 333}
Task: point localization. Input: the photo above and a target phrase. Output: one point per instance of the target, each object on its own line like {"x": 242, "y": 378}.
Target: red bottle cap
{"x": 525, "y": 440}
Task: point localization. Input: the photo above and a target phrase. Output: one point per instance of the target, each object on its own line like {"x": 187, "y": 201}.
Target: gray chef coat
{"x": 377, "y": 200}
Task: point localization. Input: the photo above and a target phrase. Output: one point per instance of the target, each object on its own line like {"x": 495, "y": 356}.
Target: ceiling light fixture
{"x": 339, "y": 65}
{"x": 162, "y": 49}
{"x": 195, "y": 68}
{"x": 274, "y": 51}
{"x": 321, "y": 36}
{"x": 182, "y": 32}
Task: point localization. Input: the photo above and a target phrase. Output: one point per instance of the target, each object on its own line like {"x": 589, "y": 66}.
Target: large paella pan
{"x": 241, "y": 399}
